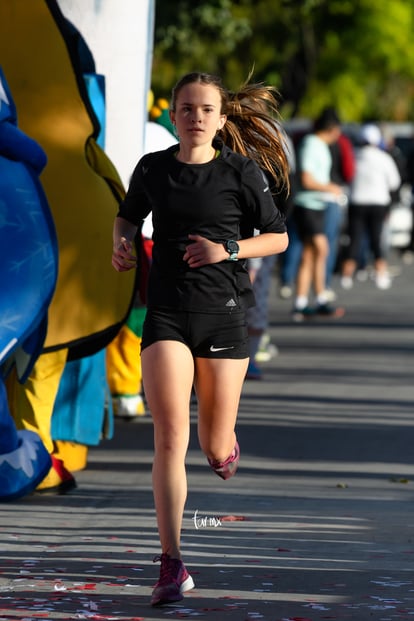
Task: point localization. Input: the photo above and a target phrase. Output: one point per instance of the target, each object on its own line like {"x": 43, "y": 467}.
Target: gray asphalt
{"x": 318, "y": 524}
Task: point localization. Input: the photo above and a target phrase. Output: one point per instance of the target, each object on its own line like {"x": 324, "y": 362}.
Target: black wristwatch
{"x": 233, "y": 248}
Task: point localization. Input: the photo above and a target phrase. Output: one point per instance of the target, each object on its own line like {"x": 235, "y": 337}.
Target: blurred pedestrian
{"x": 342, "y": 173}
{"x": 258, "y": 316}
{"x": 315, "y": 191}
{"x": 261, "y": 349}
{"x": 408, "y": 252}
{"x": 288, "y": 262}
{"x": 376, "y": 177}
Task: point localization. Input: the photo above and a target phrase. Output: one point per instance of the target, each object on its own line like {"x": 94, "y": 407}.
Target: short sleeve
{"x": 265, "y": 216}
{"x": 136, "y": 205}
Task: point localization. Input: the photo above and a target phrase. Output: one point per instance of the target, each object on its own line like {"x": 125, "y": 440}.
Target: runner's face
{"x": 197, "y": 116}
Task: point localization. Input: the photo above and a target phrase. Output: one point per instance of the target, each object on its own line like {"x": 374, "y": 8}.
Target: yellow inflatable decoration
{"x": 91, "y": 299}
{"x": 79, "y": 180}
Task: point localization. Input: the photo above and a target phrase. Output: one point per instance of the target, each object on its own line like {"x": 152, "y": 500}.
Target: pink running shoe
{"x": 226, "y": 469}
{"x": 173, "y": 582}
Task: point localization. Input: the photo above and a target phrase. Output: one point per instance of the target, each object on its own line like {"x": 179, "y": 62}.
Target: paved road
{"x": 318, "y": 524}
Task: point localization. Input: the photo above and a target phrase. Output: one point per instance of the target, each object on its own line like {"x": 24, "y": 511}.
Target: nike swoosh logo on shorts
{"x": 212, "y": 348}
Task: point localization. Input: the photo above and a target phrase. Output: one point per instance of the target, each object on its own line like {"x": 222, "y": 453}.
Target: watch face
{"x": 232, "y": 246}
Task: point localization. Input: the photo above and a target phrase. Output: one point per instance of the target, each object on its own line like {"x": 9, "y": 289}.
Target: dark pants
{"x": 366, "y": 220}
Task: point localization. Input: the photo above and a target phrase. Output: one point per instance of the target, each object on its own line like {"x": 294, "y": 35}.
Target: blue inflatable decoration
{"x": 28, "y": 274}
{"x": 28, "y": 248}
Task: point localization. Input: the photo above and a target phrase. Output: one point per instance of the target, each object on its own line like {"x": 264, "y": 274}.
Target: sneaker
{"x": 265, "y": 355}
{"x": 266, "y": 350}
{"x": 330, "y": 295}
{"x": 253, "y": 372}
{"x": 285, "y": 292}
{"x": 58, "y": 480}
{"x": 347, "y": 282}
{"x": 383, "y": 281}
{"x": 227, "y": 469}
{"x": 299, "y": 314}
{"x": 173, "y": 582}
{"x": 326, "y": 310}
{"x": 128, "y": 406}
{"x": 408, "y": 257}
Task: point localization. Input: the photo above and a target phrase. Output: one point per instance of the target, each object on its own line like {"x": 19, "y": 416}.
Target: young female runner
{"x": 207, "y": 195}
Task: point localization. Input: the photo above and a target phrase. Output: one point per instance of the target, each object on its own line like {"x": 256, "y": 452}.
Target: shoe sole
{"x": 187, "y": 585}
{"x": 300, "y": 318}
{"x": 337, "y": 314}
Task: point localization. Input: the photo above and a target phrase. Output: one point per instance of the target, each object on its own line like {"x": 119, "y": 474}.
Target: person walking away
{"x": 408, "y": 251}
{"x": 207, "y": 195}
{"x": 376, "y": 177}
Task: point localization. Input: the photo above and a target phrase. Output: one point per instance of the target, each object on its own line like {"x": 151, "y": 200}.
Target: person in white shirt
{"x": 376, "y": 176}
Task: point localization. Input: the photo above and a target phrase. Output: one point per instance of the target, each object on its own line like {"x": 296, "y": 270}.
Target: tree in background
{"x": 357, "y": 55}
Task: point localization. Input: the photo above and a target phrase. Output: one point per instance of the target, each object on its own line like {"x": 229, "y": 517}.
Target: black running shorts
{"x": 207, "y": 335}
{"x": 309, "y": 222}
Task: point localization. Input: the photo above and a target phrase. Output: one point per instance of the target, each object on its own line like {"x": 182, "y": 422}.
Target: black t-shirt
{"x": 226, "y": 198}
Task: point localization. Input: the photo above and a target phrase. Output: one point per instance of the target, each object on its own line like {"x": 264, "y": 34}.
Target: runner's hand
{"x": 123, "y": 257}
{"x": 202, "y": 251}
